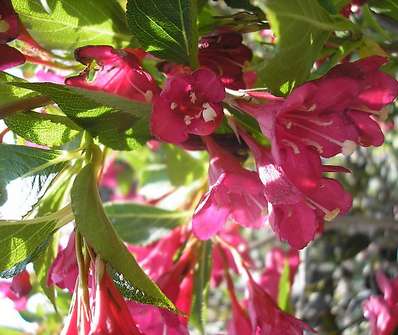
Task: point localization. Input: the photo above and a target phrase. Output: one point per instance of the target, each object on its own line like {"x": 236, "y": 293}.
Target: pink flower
{"x": 234, "y": 192}
{"x": 64, "y": 270}
{"x": 266, "y": 318}
{"x": 331, "y": 114}
{"x": 177, "y": 285}
{"x": 189, "y": 104}
{"x": 299, "y": 198}
{"x": 225, "y": 54}
{"x": 17, "y": 290}
{"x": 275, "y": 263}
{"x": 114, "y": 71}
{"x": 9, "y": 30}
{"x": 382, "y": 311}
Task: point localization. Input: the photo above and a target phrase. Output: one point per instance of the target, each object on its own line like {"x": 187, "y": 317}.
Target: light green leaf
{"x": 25, "y": 175}
{"x": 166, "y": 28}
{"x": 69, "y": 24}
{"x": 284, "y": 288}
{"x": 302, "y": 27}
{"x": 119, "y": 123}
{"x": 182, "y": 168}
{"x": 44, "y": 129}
{"x": 10, "y": 94}
{"x": 100, "y": 234}
{"x": 201, "y": 289}
{"x": 142, "y": 224}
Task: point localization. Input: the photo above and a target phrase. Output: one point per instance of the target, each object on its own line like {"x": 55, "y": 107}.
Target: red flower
{"x": 64, "y": 270}
{"x": 299, "y": 198}
{"x": 382, "y": 311}
{"x": 9, "y": 30}
{"x": 17, "y": 290}
{"x": 114, "y": 71}
{"x": 234, "y": 192}
{"x": 225, "y": 54}
{"x": 330, "y": 114}
{"x": 189, "y": 104}
{"x": 275, "y": 263}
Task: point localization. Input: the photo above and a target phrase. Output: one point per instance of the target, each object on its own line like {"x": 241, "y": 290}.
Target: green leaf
{"x": 386, "y": 7}
{"x": 25, "y": 175}
{"x": 21, "y": 243}
{"x": 182, "y": 168}
{"x": 44, "y": 129}
{"x": 119, "y": 123}
{"x": 69, "y": 24}
{"x": 11, "y": 331}
{"x": 242, "y": 4}
{"x": 302, "y": 27}
{"x": 284, "y": 288}
{"x": 100, "y": 234}
{"x": 10, "y": 94}
{"x": 166, "y": 28}
{"x": 201, "y": 289}
{"x": 142, "y": 224}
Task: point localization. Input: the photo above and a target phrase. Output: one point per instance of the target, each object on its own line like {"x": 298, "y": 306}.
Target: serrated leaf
{"x": 302, "y": 27}
{"x": 21, "y": 243}
{"x": 10, "y": 94}
{"x": 119, "y": 123}
{"x": 142, "y": 224}
{"x": 99, "y": 233}
{"x": 25, "y": 175}
{"x": 166, "y": 28}
{"x": 69, "y": 24}
{"x": 44, "y": 129}
{"x": 201, "y": 288}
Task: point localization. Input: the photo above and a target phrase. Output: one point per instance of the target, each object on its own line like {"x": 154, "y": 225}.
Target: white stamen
{"x": 295, "y": 148}
{"x": 187, "y": 120}
{"x": 329, "y": 215}
{"x": 312, "y": 108}
{"x": 208, "y": 112}
{"x": 348, "y": 147}
{"x": 173, "y": 106}
{"x": 193, "y": 97}
{"x": 4, "y": 26}
{"x": 314, "y": 144}
{"x": 148, "y": 96}
{"x": 288, "y": 125}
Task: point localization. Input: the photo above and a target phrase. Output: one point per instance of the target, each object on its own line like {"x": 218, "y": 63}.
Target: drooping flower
{"x": 298, "y": 202}
{"x": 266, "y": 318}
{"x": 225, "y": 54}
{"x": 114, "y": 71}
{"x": 382, "y": 311}
{"x": 234, "y": 192}
{"x": 9, "y": 30}
{"x": 189, "y": 104}
{"x": 17, "y": 290}
{"x": 331, "y": 114}
{"x": 276, "y": 261}
{"x": 64, "y": 270}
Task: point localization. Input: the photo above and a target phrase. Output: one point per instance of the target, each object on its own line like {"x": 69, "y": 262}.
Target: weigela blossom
{"x": 17, "y": 290}
{"x": 114, "y": 71}
{"x": 276, "y": 261}
{"x": 332, "y": 114}
{"x": 9, "y": 30}
{"x": 234, "y": 192}
{"x": 225, "y": 54}
{"x": 64, "y": 270}
{"x": 298, "y": 203}
{"x": 382, "y": 311}
{"x": 189, "y": 104}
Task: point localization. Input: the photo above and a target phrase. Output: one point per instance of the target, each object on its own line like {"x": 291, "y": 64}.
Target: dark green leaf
{"x": 119, "y": 123}
{"x": 166, "y": 28}
{"x": 45, "y": 129}
{"x": 25, "y": 175}
{"x": 142, "y": 224}
{"x": 242, "y": 4}
{"x": 99, "y": 233}
{"x": 302, "y": 28}
{"x": 68, "y": 24}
